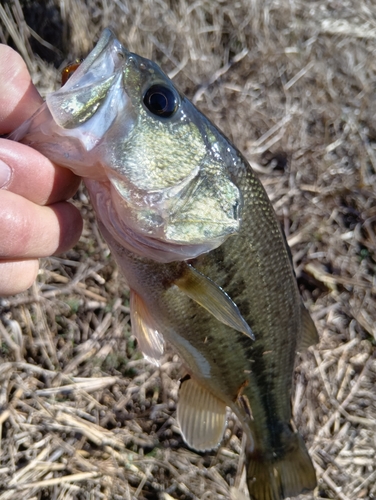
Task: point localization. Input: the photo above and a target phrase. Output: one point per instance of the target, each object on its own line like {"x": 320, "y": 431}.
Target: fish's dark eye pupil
{"x": 158, "y": 102}
{"x": 161, "y": 101}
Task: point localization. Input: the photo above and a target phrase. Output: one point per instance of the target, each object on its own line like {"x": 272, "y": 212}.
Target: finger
{"x": 17, "y": 275}
{"x": 31, "y": 231}
{"x": 33, "y": 176}
{"x": 18, "y": 96}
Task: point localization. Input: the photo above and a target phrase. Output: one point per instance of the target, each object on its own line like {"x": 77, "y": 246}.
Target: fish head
{"x": 160, "y": 175}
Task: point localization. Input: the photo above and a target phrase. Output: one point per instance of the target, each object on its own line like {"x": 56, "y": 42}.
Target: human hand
{"x": 35, "y": 219}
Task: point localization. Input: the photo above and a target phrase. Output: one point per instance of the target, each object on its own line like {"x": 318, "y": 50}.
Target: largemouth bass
{"x": 196, "y": 237}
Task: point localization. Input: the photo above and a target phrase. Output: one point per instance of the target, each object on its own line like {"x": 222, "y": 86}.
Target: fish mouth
{"x": 74, "y": 119}
{"x": 160, "y": 248}
{"x": 90, "y": 85}
{"x": 105, "y": 59}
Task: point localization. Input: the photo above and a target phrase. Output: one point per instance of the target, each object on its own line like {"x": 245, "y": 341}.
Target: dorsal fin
{"x": 201, "y": 416}
{"x": 144, "y": 327}
{"x": 209, "y": 295}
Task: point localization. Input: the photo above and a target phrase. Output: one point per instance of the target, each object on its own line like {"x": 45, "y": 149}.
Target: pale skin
{"x": 35, "y": 218}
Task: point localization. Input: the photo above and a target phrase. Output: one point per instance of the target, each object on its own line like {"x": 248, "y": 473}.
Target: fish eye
{"x": 161, "y": 101}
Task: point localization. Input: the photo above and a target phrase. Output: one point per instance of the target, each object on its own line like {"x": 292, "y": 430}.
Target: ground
{"x": 292, "y": 84}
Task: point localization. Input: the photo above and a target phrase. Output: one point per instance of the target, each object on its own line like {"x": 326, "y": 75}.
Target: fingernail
{"x": 5, "y": 174}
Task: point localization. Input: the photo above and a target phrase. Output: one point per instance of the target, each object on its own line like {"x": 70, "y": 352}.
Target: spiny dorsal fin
{"x": 205, "y": 292}
{"x": 309, "y": 333}
{"x": 201, "y": 416}
{"x": 150, "y": 340}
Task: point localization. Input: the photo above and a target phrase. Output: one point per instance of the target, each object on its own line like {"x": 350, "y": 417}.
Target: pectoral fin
{"x": 201, "y": 416}
{"x": 309, "y": 333}
{"x": 144, "y": 327}
{"x": 215, "y": 300}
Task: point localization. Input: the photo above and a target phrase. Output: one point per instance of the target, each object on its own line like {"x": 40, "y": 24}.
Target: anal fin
{"x": 144, "y": 327}
{"x": 201, "y": 416}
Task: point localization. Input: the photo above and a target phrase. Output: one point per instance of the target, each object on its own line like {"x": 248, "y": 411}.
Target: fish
{"x": 197, "y": 239}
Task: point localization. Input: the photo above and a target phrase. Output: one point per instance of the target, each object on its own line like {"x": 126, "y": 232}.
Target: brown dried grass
{"x": 292, "y": 83}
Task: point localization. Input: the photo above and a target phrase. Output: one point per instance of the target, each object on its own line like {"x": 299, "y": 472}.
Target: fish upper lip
{"x": 108, "y": 57}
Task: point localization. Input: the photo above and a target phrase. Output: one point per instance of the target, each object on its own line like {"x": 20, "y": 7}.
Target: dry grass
{"x": 292, "y": 83}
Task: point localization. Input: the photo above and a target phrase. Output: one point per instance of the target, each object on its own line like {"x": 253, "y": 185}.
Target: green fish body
{"x": 197, "y": 239}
